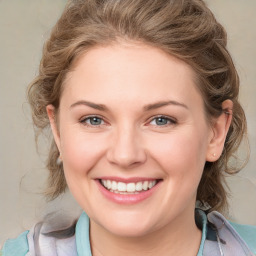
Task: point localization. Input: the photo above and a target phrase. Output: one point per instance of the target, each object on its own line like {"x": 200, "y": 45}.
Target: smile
{"x": 128, "y": 191}
{"x": 128, "y": 188}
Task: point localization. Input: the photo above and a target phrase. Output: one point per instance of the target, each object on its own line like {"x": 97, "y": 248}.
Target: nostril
{"x": 125, "y": 149}
{"x": 126, "y": 159}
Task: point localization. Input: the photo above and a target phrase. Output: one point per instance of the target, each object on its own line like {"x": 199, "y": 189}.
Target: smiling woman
{"x": 142, "y": 100}
{"x": 108, "y": 151}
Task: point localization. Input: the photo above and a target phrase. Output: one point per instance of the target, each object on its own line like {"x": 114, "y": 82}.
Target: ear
{"x": 220, "y": 129}
{"x": 51, "y": 112}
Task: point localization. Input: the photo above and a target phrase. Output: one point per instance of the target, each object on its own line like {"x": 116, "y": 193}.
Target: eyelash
{"x": 169, "y": 121}
{"x": 89, "y": 118}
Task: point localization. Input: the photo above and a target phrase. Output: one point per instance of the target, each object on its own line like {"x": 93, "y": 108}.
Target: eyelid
{"x": 172, "y": 120}
{"x": 83, "y": 119}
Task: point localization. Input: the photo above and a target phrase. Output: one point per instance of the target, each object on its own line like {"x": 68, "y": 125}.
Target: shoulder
{"x": 239, "y": 236}
{"x": 53, "y": 236}
{"x": 17, "y": 246}
{"x": 248, "y": 233}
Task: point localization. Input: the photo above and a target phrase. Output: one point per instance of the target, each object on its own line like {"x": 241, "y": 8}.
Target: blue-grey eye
{"x": 93, "y": 120}
{"x": 161, "y": 121}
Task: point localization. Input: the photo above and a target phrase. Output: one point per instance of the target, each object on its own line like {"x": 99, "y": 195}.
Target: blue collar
{"x": 83, "y": 236}
{"x": 201, "y": 221}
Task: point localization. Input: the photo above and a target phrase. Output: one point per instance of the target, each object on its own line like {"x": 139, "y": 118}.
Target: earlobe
{"x": 220, "y": 129}
{"x": 51, "y": 112}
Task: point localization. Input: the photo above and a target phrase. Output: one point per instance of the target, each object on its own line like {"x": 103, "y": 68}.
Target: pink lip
{"x": 127, "y": 198}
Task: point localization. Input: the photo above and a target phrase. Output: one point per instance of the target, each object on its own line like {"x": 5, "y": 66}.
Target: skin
{"x": 128, "y": 143}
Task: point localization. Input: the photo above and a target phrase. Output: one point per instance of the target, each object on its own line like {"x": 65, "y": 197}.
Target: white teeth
{"x": 109, "y": 185}
{"x": 114, "y": 185}
{"x": 130, "y": 187}
{"x": 126, "y": 188}
{"x": 138, "y": 186}
{"x": 152, "y": 184}
{"x": 145, "y": 185}
{"x": 121, "y": 186}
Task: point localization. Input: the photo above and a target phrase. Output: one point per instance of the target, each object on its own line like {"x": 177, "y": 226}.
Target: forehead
{"x": 129, "y": 72}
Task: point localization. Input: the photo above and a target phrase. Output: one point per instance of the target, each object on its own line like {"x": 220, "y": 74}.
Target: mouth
{"x": 128, "y": 191}
{"x": 119, "y": 187}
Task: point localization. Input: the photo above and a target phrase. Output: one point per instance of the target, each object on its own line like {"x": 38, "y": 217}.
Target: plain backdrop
{"x": 24, "y": 26}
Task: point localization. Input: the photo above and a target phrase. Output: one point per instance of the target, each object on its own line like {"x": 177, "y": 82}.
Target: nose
{"x": 126, "y": 149}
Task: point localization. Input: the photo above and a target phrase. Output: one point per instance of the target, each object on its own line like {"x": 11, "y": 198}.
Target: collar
{"x": 83, "y": 234}
{"x": 218, "y": 236}
{"x": 201, "y": 222}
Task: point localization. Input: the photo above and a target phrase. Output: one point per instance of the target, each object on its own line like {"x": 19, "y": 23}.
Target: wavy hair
{"x": 186, "y": 29}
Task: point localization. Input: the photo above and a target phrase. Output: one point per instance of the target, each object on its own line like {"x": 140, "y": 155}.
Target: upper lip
{"x": 127, "y": 180}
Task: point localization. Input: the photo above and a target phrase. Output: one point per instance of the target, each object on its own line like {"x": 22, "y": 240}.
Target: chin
{"x": 129, "y": 230}
{"x": 128, "y": 226}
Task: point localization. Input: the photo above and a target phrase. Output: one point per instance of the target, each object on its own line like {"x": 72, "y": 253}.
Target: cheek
{"x": 182, "y": 158}
{"x": 80, "y": 151}
{"x": 180, "y": 153}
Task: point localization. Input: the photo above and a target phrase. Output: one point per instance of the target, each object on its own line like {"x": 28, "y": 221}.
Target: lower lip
{"x": 127, "y": 198}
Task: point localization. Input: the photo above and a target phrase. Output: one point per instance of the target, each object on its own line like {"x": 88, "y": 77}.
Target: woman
{"x": 142, "y": 100}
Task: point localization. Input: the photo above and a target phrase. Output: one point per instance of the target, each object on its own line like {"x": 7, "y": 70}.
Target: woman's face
{"x": 131, "y": 118}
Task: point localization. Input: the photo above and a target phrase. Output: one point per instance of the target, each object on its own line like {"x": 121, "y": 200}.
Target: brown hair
{"x": 186, "y": 29}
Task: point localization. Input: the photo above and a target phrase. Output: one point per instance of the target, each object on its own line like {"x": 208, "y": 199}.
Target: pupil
{"x": 95, "y": 121}
{"x": 161, "y": 121}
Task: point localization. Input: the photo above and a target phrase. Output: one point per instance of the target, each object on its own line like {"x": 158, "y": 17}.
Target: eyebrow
{"x": 90, "y": 104}
{"x": 148, "y": 107}
{"x": 164, "y": 103}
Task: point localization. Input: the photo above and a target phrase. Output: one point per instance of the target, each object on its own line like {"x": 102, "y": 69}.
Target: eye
{"x": 92, "y": 121}
{"x": 162, "y": 121}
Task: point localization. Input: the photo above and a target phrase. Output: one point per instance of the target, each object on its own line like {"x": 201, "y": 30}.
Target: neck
{"x": 172, "y": 239}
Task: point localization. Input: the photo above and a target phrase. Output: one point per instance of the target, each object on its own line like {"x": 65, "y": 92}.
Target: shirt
{"x": 219, "y": 237}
